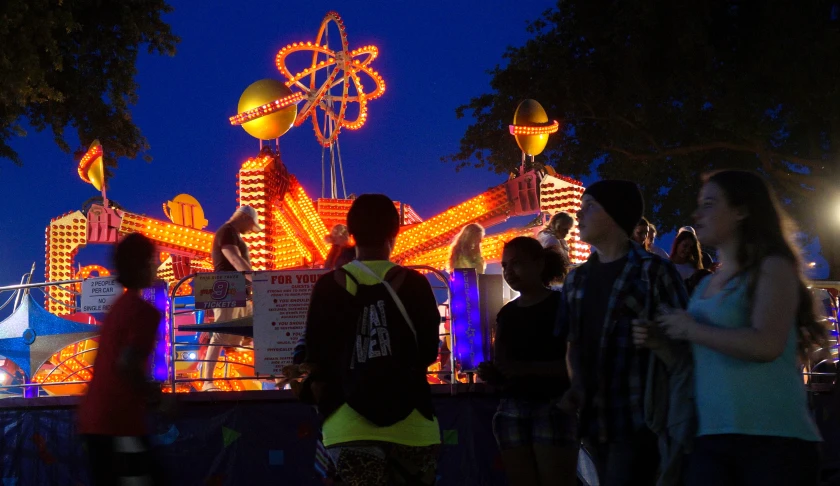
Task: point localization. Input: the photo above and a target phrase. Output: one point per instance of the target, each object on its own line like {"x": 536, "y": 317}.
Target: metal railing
{"x": 174, "y": 344}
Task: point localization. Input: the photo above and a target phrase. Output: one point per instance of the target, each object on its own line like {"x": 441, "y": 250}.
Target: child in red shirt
{"x": 112, "y": 416}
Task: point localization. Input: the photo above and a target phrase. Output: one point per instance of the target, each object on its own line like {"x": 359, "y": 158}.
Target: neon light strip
{"x": 266, "y": 109}
{"x": 534, "y": 129}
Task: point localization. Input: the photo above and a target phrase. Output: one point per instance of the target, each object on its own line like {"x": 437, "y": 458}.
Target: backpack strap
{"x": 364, "y": 268}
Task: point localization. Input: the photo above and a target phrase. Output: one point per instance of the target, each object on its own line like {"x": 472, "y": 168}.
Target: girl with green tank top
{"x": 749, "y": 325}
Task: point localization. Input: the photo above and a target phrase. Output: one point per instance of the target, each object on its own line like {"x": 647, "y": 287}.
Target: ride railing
{"x": 63, "y": 372}
{"x": 819, "y": 373}
{"x": 820, "y": 370}
{"x": 186, "y": 358}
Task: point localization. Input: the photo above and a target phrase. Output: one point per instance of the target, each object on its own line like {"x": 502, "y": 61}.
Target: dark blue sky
{"x": 433, "y": 58}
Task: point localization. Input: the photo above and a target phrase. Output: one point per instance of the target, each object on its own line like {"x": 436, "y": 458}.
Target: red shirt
{"x": 112, "y": 405}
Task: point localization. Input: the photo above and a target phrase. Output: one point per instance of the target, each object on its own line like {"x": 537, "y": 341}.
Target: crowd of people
{"x": 661, "y": 369}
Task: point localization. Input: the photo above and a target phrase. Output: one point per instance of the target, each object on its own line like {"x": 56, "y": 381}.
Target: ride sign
{"x": 281, "y": 301}
{"x": 220, "y": 290}
{"x": 99, "y": 294}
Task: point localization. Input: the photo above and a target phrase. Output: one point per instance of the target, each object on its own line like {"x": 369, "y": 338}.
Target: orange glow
{"x": 266, "y": 109}
{"x": 89, "y": 158}
{"x": 440, "y": 229}
{"x": 168, "y": 235}
{"x": 287, "y": 227}
{"x": 535, "y": 129}
{"x": 64, "y": 236}
{"x": 491, "y": 249}
{"x": 559, "y": 193}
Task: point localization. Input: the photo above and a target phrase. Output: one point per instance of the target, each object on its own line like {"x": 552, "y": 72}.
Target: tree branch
{"x": 691, "y": 149}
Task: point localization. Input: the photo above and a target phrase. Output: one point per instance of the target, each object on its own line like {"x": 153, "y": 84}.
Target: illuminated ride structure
{"x": 294, "y": 225}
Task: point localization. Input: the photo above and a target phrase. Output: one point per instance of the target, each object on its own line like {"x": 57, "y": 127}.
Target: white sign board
{"x": 100, "y": 293}
{"x": 281, "y": 300}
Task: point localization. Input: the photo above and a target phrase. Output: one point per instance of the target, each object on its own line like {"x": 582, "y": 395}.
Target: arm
{"x": 233, "y": 255}
{"x": 322, "y": 347}
{"x": 671, "y": 293}
{"x": 772, "y": 315}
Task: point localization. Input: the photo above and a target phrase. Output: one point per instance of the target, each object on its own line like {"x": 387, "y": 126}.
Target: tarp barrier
{"x": 236, "y": 443}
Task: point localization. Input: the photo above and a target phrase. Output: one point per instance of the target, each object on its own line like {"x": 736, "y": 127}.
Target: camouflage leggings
{"x": 385, "y": 464}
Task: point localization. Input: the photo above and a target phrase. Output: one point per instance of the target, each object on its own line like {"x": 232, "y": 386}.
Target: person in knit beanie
{"x": 621, "y": 285}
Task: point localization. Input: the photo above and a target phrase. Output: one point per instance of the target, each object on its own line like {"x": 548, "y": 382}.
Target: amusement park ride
{"x": 334, "y": 89}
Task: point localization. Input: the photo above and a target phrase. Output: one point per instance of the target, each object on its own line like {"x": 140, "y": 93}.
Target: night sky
{"x": 433, "y": 58}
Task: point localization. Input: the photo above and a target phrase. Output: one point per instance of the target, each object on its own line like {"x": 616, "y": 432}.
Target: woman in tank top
{"x": 749, "y": 325}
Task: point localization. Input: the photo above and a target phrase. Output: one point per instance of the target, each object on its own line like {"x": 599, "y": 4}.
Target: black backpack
{"x": 381, "y": 376}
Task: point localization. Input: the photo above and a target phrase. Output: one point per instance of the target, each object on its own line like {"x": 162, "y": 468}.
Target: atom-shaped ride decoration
{"x": 330, "y": 98}
{"x": 344, "y": 68}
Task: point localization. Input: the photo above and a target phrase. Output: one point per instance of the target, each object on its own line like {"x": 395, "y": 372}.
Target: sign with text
{"x": 99, "y": 294}
{"x": 281, "y": 300}
{"x": 467, "y": 333}
{"x": 220, "y": 290}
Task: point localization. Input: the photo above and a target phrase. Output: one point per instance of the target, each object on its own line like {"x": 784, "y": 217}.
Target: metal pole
{"x": 40, "y": 284}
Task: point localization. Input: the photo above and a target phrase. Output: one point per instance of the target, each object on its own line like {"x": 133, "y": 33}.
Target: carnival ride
{"x": 294, "y": 224}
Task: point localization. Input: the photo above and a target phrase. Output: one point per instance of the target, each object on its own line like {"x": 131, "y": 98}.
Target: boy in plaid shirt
{"x": 622, "y": 391}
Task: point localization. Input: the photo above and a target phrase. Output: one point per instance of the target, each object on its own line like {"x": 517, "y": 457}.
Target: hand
{"x": 572, "y": 400}
{"x": 511, "y": 368}
{"x": 646, "y": 334}
{"x": 488, "y": 372}
{"x": 294, "y": 373}
{"x": 676, "y": 323}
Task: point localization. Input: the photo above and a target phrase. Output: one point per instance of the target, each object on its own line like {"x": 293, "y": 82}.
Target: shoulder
{"x": 411, "y": 275}
{"x": 508, "y": 309}
{"x": 328, "y": 282}
{"x": 779, "y": 269}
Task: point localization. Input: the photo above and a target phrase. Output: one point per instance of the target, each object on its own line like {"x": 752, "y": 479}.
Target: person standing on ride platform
{"x": 341, "y": 252}
{"x": 628, "y": 396}
{"x": 748, "y": 323}
{"x": 112, "y": 415}
{"x": 553, "y": 236}
{"x": 371, "y": 334}
{"x": 466, "y": 249}
{"x": 230, "y": 254}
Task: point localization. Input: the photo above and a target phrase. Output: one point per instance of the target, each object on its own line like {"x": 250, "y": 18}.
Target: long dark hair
{"x": 696, "y": 257}
{"x": 554, "y": 269}
{"x": 768, "y": 231}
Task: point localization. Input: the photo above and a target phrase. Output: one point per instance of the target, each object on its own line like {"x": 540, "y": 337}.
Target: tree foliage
{"x": 661, "y": 91}
{"x": 72, "y": 63}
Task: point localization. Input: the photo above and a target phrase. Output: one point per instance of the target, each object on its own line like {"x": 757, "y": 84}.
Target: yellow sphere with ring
{"x": 272, "y": 125}
{"x": 531, "y": 127}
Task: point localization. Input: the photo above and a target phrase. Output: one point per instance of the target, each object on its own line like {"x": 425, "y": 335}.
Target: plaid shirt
{"x": 646, "y": 281}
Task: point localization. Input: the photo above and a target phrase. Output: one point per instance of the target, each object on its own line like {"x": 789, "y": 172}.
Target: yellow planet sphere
{"x": 273, "y": 125}
{"x": 530, "y": 112}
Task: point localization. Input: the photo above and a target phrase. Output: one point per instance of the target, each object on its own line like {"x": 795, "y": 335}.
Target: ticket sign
{"x": 466, "y": 319}
{"x": 220, "y": 290}
{"x": 281, "y": 300}
{"x": 100, "y": 293}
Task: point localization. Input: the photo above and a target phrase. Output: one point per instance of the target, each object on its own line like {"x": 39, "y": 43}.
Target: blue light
{"x": 466, "y": 319}
{"x": 191, "y": 356}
